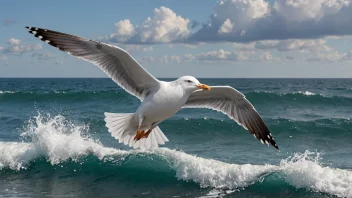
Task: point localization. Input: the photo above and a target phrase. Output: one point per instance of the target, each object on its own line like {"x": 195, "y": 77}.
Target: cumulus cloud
{"x": 226, "y": 27}
{"x": 242, "y": 21}
{"x": 13, "y": 41}
{"x": 15, "y": 46}
{"x": 165, "y": 26}
{"x": 254, "y": 20}
{"x": 303, "y": 10}
{"x": 124, "y": 31}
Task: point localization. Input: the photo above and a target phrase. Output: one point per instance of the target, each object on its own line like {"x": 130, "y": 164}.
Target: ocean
{"x": 54, "y": 143}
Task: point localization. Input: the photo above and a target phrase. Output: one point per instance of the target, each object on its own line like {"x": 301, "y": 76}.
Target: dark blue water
{"x": 53, "y": 142}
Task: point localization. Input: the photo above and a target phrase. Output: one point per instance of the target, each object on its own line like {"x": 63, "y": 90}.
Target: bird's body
{"x": 159, "y": 99}
{"x": 162, "y": 103}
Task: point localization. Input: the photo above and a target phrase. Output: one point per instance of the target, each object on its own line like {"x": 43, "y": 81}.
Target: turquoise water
{"x": 53, "y": 142}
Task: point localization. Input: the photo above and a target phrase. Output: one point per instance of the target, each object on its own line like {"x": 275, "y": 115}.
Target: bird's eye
{"x": 189, "y": 81}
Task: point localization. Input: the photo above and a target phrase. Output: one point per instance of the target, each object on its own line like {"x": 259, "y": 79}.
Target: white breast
{"x": 162, "y": 104}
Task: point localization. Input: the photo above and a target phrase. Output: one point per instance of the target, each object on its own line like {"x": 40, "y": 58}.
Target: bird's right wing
{"x": 114, "y": 61}
{"x": 233, "y": 103}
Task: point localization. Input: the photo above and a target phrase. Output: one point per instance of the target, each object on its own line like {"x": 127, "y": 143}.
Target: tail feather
{"x": 163, "y": 137}
{"x": 121, "y": 127}
{"x": 126, "y": 139}
{"x": 141, "y": 143}
{"x": 158, "y": 138}
{"x": 153, "y": 139}
{"x": 136, "y": 145}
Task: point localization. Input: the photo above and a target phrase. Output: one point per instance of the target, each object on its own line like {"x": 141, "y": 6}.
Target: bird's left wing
{"x": 233, "y": 103}
{"x": 114, "y": 61}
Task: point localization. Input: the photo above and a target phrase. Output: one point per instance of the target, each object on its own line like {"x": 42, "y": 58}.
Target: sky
{"x": 202, "y": 38}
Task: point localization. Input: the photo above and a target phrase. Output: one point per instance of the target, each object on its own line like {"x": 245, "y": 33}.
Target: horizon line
{"x": 178, "y": 77}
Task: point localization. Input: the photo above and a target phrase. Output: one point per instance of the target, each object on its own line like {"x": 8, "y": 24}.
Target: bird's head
{"x": 191, "y": 84}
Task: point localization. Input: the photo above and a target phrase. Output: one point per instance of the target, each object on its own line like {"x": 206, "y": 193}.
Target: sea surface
{"x": 54, "y": 143}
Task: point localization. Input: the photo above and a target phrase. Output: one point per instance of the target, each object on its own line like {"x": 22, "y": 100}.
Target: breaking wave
{"x": 60, "y": 142}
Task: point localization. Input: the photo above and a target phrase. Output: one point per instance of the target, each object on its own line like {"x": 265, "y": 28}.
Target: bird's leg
{"x": 147, "y": 133}
{"x": 139, "y": 133}
{"x": 155, "y": 124}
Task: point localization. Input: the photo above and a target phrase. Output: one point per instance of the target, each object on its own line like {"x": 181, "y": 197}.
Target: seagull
{"x": 159, "y": 99}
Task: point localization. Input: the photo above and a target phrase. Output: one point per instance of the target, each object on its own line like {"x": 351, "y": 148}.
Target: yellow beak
{"x": 203, "y": 86}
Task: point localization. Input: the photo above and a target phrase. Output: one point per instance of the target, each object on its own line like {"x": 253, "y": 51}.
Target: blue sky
{"x": 228, "y": 38}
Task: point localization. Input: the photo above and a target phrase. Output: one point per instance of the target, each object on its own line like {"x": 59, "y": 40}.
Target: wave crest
{"x": 303, "y": 170}
{"x": 59, "y": 141}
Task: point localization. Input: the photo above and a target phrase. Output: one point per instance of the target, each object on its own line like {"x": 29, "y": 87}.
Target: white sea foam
{"x": 59, "y": 140}
{"x": 213, "y": 173}
{"x": 307, "y": 93}
{"x": 56, "y": 139}
{"x": 7, "y": 92}
{"x": 304, "y": 171}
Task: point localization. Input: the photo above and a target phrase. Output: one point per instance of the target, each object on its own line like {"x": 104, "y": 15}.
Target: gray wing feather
{"x": 118, "y": 64}
{"x": 234, "y": 104}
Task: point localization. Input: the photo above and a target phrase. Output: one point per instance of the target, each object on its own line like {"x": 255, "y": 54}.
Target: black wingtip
{"x": 273, "y": 143}
{"x": 27, "y": 27}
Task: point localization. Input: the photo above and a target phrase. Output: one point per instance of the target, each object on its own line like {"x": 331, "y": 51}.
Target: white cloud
{"x": 187, "y": 45}
{"x": 211, "y": 56}
{"x": 239, "y": 12}
{"x": 15, "y": 46}
{"x": 124, "y": 31}
{"x": 176, "y": 59}
{"x": 220, "y": 55}
{"x": 301, "y": 10}
{"x": 254, "y": 20}
{"x": 189, "y": 58}
{"x": 13, "y": 41}
{"x": 165, "y": 26}
{"x": 243, "y": 21}
{"x": 331, "y": 57}
{"x": 244, "y": 55}
{"x": 347, "y": 56}
{"x": 143, "y": 48}
{"x": 226, "y": 27}
{"x": 266, "y": 56}
{"x": 293, "y": 45}
{"x": 160, "y": 59}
